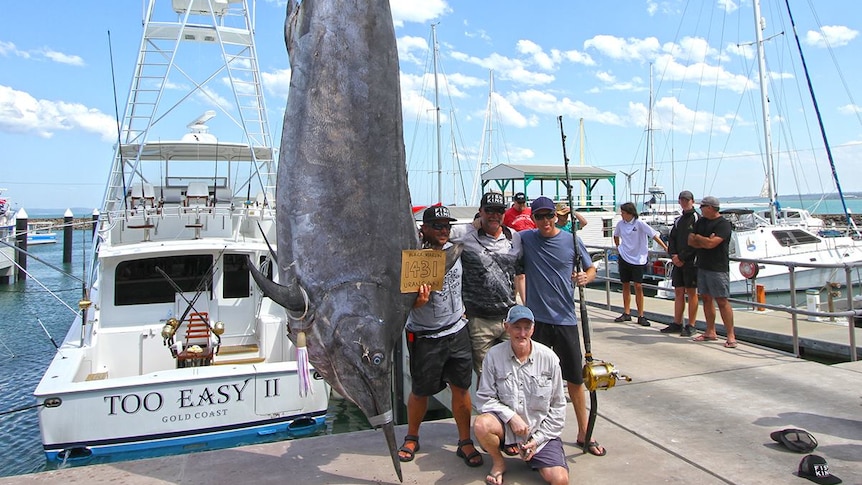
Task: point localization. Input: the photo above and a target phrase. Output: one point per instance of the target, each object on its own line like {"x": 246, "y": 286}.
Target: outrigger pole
{"x": 597, "y": 374}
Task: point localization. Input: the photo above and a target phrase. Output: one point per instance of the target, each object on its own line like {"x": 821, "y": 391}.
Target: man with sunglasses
{"x": 489, "y": 257}
{"x": 548, "y": 260}
{"x": 439, "y": 346}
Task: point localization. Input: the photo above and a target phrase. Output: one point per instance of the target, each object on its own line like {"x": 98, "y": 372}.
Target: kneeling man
{"x": 522, "y": 401}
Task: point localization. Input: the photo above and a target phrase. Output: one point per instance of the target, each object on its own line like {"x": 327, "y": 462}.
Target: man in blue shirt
{"x": 548, "y": 260}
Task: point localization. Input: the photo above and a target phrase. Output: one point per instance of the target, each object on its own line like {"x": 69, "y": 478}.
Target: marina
{"x": 694, "y": 413}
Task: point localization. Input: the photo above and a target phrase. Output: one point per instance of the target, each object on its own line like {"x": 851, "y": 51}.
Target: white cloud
{"x": 727, "y": 5}
{"x": 277, "y": 83}
{"x": 831, "y": 36}
{"x": 630, "y": 49}
{"x": 419, "y": 11}
{"x": 704, "y": 74}
{"x": 538, "y": 56}
{"x": 850, "y": 109}
{"x": 55, "y": 56}
{"x": 504, "y": 112}
{"x": 669, "y": 114}
{"x": 507, "y": 68}
{"x": 548, "y": 104}
{"x": 410, "y": 48}
{"x": 23, "y": 114}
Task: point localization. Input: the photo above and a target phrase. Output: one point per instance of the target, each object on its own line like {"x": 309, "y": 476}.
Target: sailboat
{"x": 772, "y": 244}
{"x": 173, "y": 344}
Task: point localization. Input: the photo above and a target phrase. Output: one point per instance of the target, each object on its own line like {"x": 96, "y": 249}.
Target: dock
{"x": 693, "y": 413}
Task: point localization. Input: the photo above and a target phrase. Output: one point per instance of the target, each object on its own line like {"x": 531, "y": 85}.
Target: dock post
{"x": 67, "y": 236}
{"x": 760, "y": 296}
{"x": 21, "y": 219}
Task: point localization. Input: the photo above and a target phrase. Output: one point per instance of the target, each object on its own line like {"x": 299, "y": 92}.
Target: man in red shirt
{"x": 519, "y": 216}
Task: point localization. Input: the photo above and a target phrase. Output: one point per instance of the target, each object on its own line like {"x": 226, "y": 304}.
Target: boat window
{"x": 138, "y": 282}
{"x": 236, "y": 276}
{"x": 794, "y": 237}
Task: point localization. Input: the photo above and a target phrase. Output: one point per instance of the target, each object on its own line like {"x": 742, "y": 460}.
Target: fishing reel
{"x": 601, "y": 375}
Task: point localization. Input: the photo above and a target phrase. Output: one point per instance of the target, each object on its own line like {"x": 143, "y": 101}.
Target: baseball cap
{"x": 519, "y": 312}
{"x": 710, "y": 201}
{"x": 562, "y": 208}
{"x": 492, "y": 199}
{"x": 686, "y": 194}
{"x": 793, "y": 439}
{"x": 520, "y": 197}
{"x": 437, "y": 212}
{"x": 543, "y": 203}
{"x": 815, "y": 468}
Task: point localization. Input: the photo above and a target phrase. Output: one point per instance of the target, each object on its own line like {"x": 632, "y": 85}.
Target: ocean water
{"x": 26, "y": 351}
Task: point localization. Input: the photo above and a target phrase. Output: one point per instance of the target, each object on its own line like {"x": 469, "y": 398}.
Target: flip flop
{"x": 730, "y": 344}
{"x": 494, "y": 478}
{"x": 511, "y": 450}
{"x": 593, "y": 445}
{"x": 703, "y": 338}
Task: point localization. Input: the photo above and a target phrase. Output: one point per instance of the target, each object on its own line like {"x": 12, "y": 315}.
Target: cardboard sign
{"x": 422, "y": 266}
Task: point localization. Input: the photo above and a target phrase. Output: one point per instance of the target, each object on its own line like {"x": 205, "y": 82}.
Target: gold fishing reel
{"x": 601, "y": 375}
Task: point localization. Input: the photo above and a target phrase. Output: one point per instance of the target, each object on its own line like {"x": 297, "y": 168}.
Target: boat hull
{"x": 179, "y": 407}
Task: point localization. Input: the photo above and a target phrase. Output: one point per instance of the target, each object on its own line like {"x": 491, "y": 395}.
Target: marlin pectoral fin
{"x": 291, "y": 297}
{"x": 452, "y": 255}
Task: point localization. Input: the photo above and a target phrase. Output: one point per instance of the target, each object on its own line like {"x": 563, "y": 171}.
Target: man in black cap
{"x": 439, "y": 346}
{"x": 490, "y": 253}
{"x": 519, "y": 216}
{"x": 711, "y": 237}
{"x": 684, "y": 275}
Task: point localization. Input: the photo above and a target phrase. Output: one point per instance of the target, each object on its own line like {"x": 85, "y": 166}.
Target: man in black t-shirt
{"x": 711, "y": 237}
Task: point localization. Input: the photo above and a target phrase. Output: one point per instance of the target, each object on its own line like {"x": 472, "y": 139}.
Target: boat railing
{"x": 851, "y": 314}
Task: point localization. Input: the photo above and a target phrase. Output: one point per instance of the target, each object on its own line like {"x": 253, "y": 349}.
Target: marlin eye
{"x": 377, "y": 358}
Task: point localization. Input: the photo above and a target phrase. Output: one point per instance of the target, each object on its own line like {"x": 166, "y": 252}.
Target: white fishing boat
{"x": 7, "y": 236}
{"x": 174, "y": 344}
{"x": 41, "y": 232}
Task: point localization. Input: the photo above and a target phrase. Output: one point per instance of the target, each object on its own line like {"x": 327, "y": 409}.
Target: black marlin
{"x": 342, "y": 199}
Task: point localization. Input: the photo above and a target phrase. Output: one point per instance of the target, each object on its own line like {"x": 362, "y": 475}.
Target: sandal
{"x": 703, "y": 338}
{"x": 730, "y": 344}
{"x": 511, "y": 450}
{"x": 494, "y": 478}
{"x": 594, "y": 445}
{"x": 404, "y": 449}
{"x": 470, "y": 459}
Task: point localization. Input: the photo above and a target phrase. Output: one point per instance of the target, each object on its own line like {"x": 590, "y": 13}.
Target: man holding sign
{"x": 439, "y": 345}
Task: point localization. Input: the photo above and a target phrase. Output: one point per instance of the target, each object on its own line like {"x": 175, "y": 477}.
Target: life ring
{"x": 748, "y": 269}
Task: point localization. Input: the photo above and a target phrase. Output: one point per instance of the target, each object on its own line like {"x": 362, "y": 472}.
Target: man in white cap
{"x": 711, "y": 237}
{"x": 521, "y": 400}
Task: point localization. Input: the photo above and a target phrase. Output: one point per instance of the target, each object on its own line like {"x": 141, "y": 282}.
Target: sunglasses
{"x": 544, "y": 216}
{"x": 494, "y": 210}
{"x": 439, "y": 226}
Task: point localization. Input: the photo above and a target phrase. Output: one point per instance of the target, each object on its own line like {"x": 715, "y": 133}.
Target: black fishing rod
{"x": 597, "y": 374}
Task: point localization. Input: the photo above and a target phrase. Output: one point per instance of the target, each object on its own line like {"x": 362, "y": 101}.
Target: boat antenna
{"x": 850, "y": 222}
{"x": 117, "y": 117}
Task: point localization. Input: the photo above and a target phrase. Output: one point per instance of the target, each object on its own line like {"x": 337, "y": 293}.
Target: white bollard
{"x": 812, "y": 300}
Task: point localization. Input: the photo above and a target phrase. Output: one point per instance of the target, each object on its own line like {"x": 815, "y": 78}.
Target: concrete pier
{"x": 694, "y": 413}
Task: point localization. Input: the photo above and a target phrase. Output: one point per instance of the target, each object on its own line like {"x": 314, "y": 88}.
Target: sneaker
{"x": 643, "y": 322}
{"x": 625, "y": 317}
{"x": 672, "y": 328}
{"x": 687, "y": 331}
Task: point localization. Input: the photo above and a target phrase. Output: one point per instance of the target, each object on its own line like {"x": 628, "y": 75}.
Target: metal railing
{"x": 850, "y": 314}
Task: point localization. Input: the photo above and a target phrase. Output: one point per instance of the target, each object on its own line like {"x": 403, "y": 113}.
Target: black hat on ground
{"x": 793, "y": 439}
{"x": 816, "y": 469}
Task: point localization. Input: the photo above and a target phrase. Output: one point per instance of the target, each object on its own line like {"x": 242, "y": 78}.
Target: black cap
{"x": 814, "y": 468}
{"x": 493, "y": 199}
{"x": 520, "y": 197}
{"x": 436, "y": 212}
{"x": 793, "y": 439}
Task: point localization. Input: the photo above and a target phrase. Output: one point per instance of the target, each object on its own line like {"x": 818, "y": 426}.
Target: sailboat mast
{"x": 581, "y": 157}
{"x": 759, "y": 25}
{"x": 437, "y": 117}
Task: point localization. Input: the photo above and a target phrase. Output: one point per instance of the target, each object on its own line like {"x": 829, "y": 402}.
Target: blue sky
{"x": 587, "y": 60}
